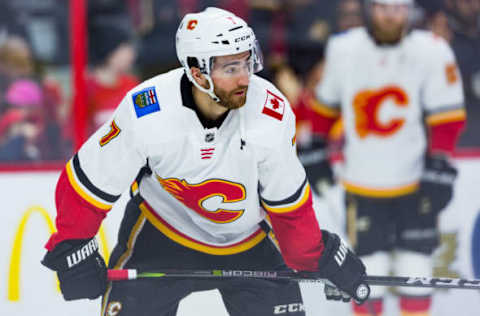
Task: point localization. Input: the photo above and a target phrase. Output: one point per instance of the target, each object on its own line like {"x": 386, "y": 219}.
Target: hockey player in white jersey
{"x": 210, "y": 150}
{"x": 399, "y": 94}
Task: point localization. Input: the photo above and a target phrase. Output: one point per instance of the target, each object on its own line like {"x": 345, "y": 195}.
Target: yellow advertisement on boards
{"x": 14, "y": 272}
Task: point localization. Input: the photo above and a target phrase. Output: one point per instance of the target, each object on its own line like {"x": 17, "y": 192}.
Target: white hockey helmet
{"x": 214, "y": 32}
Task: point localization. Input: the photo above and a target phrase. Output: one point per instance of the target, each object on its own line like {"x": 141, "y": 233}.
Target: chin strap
{"x": 208, "y": 91}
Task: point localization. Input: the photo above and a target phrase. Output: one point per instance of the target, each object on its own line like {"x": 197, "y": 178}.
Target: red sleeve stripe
{"x": 299, "y": 236}
{"x": 446, "y": 117}
{"x": 280, "y": 207}
{"x": 443, "y": 137}
{"x": 83, "y": 192}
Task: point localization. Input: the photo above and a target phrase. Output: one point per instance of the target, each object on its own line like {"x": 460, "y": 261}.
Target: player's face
{"x": 231, "y": 76}
{"x": 389, "y": 22}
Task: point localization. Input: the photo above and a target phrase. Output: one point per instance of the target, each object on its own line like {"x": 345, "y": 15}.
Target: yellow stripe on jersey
{"x": 134, "y": 187}
{"x": 405, "y": 313}
{"x": 323, "y": 109}
{"x": 380, "y": 193}
{"x": 337, "y": 130}
{"x": 131, "y": 242}
{"x": 446, "y": 117}
{"x": 77, "y": 187}
{"x": 124, "y": 257}
{"x": 290, "y": 208}
{"x": 192, "y": 244}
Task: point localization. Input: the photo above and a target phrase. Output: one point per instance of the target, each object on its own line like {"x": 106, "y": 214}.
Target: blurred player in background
{"x": 400, "y": 96}
{"x": 204, "y": 145}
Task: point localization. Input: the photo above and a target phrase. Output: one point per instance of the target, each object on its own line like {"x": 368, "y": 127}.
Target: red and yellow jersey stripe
{"x": 380, "y": 192}
{"x": 296, "y": 229}
{"x": 77, "y": 198}
{"x": 444, "y": 128}
{"x": 191, "y": 243}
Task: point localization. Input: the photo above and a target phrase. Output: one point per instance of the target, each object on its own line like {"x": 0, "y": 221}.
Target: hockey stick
{"x": 439, "y": 283}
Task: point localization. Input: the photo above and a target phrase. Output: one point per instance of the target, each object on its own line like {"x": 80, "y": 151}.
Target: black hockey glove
{"x": 314, "y": 158}
{"x": 80, "y": 268}
{"x": 344, "y": 269}
{"x": 436, "y": 185}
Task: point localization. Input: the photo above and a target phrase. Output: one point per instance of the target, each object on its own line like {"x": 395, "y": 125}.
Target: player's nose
{"x": 243, "y": 79}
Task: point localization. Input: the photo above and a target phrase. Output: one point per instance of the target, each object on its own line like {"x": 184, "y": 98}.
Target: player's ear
{"x": 199, "y": 77}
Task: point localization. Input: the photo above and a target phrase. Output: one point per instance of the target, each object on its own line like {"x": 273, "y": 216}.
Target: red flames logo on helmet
{"x": 192, "y": 24}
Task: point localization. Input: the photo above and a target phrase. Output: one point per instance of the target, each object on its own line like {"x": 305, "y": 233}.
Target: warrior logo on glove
{"x": 341, "y": 253}
{"x": 82, "y": 253}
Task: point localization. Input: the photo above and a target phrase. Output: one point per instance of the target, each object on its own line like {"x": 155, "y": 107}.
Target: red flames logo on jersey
{"x": 367, "y": 104}
{"x": 196, "y": 196}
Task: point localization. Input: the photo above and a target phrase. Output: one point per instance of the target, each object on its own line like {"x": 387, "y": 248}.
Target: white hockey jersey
{"x": 206, "y": 185}
{"x": 384, "y": 93}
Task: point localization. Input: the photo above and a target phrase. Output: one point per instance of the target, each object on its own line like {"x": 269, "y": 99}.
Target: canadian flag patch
{"x": 274, "y": 106}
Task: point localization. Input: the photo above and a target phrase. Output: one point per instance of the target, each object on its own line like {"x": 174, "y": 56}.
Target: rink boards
{"x": 27, "y": 219}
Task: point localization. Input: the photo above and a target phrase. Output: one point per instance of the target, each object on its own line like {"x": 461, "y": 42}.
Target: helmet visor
{"x": 242, "y": 64}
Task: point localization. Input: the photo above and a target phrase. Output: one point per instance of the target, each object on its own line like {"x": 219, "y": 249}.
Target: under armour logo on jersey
{"x": 341, "y": 253}
{"x": 81, "y": 254}
{"x": 242, "y": 143}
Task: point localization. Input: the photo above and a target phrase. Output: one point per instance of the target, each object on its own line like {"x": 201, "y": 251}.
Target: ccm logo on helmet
{"x": 242, "y": 38}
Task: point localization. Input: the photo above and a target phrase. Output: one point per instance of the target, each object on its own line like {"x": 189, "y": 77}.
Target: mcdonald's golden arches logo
{"x": 14, "y": 272}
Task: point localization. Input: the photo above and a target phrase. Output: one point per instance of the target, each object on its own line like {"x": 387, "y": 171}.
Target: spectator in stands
{"x": 17, "y": 65}
{"x": 15, "y": 62}
{"x": 155, "y": 22}
{"x": 111, "y": 77}
{"x": 463, "y": 20}
{"x": 298, "y": 84}
{"x": 435, "y": 18}
{"x": 349, "y": 14}
{"x": 21, "y": 125}
{"x": 311, "y": 143}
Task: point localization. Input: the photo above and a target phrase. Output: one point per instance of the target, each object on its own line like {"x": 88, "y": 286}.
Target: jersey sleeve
{"x": 94, "y": 178}
{"x": 443, "y": 99}
{"x": 328, "y": 91}
{"x": 326, "y": 106}
{"x": 286, "y": 196}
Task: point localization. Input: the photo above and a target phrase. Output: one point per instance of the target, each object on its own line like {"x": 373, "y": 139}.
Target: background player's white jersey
{"x": 204, "y": 188}
{"x": 384, "y": 92}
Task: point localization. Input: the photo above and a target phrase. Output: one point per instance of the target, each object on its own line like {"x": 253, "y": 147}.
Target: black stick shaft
{"x": 448, "y": 283}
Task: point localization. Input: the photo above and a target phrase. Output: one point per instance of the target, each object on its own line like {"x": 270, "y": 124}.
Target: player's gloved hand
{"x": 344, "y": 269}
{"x": 333, "y": 293}
{"x": 436, "y": 185}
{"x": 80, "y": 268}
{"x": 314, "y": 158}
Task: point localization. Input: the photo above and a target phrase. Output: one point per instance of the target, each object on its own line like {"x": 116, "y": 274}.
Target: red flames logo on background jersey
{"x": 193, "y": 196}
{"x": 367, "y": 104}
